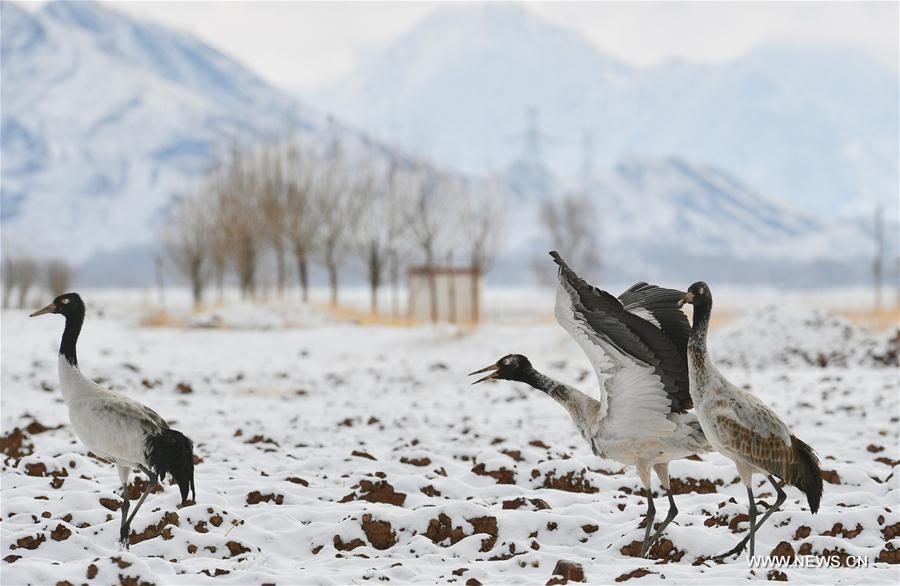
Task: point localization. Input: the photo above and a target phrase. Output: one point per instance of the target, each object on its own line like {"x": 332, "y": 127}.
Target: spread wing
{"x": 659, "y": 306}
{"x": 641, "y": 372}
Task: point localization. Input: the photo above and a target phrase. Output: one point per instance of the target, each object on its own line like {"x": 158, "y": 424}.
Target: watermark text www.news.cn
{"x": 808, "y": 561}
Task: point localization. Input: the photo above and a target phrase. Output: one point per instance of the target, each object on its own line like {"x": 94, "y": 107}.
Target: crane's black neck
{"x": 546, "y": 384}
{"x": 74, "y": 322}
{"x": 702, "y": 311}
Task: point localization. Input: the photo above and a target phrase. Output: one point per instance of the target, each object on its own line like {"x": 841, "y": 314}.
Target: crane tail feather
{"x": 171, "y": 452}
{"x": 807, "y": 475}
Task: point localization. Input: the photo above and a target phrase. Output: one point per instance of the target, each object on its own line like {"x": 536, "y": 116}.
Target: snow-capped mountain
{"x": 105, "y": 117}
{"x": 817, "y": 126}
{"x": 680, "y": 221}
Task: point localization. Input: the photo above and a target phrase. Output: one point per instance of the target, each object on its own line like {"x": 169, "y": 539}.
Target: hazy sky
{"x": 305, "y": 45}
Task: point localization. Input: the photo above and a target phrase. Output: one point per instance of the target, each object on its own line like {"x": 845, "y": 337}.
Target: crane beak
{"x": 686, "y": 298}
{"x": 49, "y": 309}
{"x": 492, "y": 369}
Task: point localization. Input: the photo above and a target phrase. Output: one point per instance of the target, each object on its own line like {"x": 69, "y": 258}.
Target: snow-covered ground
{"x": 336, "y": 454}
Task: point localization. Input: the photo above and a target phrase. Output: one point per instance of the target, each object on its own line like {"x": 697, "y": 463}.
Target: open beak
{"x": 686, "y": 298}
{"x": 49, "y": 309}
{"x": 492, "y": 369}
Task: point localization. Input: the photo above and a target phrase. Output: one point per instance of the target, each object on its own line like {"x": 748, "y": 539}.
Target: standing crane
{"x": 637, "y": 345}
{"x": 115, "y": 427}
{"x": 743, "y": 428}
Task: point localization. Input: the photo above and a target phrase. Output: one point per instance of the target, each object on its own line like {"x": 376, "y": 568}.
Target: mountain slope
{"x": 815, "y": 126}
{"x": 680, "y": 221}
{"x": 105, "y": 117}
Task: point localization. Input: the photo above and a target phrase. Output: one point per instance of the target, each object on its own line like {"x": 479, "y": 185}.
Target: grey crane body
{"x": 743, "y": 428}
{"x": 636, "y": 344}
{"x": 115, "y": 427}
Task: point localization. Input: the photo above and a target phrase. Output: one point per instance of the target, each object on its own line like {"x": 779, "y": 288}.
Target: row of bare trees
{"x": 24, "y": 274}
{"x": 286, "y": 204}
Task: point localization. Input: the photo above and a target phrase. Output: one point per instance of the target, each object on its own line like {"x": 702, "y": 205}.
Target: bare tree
{"x": 217, "y": 238}
{"x": 483, "y": 225}
{"x": 380, "y": 226}
{"x": 10, "y": 279}
{"x": 398, "y": 203}
{"x": 273, "y": 205}
{"x": 186, "y": 242}
{"x": 57, "y": 276}
{"x": 27, "y": 274}
{"x": 300, "y": 221}
{"x": 570, "y": 224}
{"x": 427, "y": 222}
{"x": 337, "y": 213}
{"x": 238, "y": 190}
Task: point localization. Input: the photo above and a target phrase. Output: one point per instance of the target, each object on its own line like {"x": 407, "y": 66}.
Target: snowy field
{"x": 335, "y": 454}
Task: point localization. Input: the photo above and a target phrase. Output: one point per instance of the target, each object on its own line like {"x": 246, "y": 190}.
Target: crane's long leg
{"x": 644, "y": 473}
{"x": 152, "y": 481}
{"x": 740, "y": 546}
{"x": 124, "y": 472}
{"x": 662, "y": 470}
{"x": 779, "y": 500}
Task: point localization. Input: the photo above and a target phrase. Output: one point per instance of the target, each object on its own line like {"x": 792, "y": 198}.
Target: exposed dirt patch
{"x": 261, "y": 439}
{"x": 831, "y": 477}
{"x": 430, "y": 490}
{"x": 518, "y": 503}
{"x": 31, "y": 541}
{"x": 570, "y": 482}
{"x": 565, "y": 572}
{"x": 516, "y": 455}
{"x": 784, "y": 550}
{"x": 415, "y": 461}
{"x": 340, "y": 545}
{"x": 161, "y": 529}
{"x": 379, "y": 533}
{"x": 137, "y": 487}
{"x": 638, "y": 573}
{"x": 889, "y": 555}
{"x": 236, "y": 548}
{"x": 663, "y": 550}
{"x": 838, "y": 530}
{"x": 36, "y": 469}
{"x": 14, "y": 444}
{"x": 61, "y": 533}
{"x": 442, "y": 529}
{"x": 688, "y": 485}
{"x": 376, "y": 492}
{"x": 737, "y": 520}
{"x": 502, "y": 475}
{"x": 256, "y": 497}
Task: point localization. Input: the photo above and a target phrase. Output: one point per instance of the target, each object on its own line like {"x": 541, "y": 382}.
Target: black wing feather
{"x": 662, "y": 303}
{"x": 630, "y": 333}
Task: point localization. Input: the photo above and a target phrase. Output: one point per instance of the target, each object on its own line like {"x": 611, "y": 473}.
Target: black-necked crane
{"x": 743, "y": 428}
{"x": 115, "y": 427}
{"x": 637, "y": 345}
